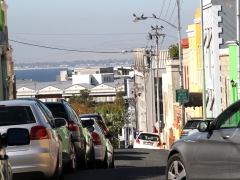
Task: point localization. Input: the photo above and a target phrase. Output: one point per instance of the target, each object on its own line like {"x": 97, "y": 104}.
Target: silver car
{"x": 42, "y": 157}
{"x": 211, "y": 153}
{"x": 104, "y": 152}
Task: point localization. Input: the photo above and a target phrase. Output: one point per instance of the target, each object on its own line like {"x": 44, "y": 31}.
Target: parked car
{"x": 99, "y": 119}
{"x": 190, "y": 127}
{"x": 68, "y": 148}
{"x": 82, "y": 138}
{"x": 42, "y": 157}
{"x": 211, "y": 153}
{"x": 13, "y": 137}
{"x": 104, "y": 152}
{"x": 147, "y": 140}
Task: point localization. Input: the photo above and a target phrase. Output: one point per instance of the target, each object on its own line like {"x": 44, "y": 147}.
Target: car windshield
{"x": 16, "y": 115}
{"x": 150, "y": 137}
{"x": 191, "y": 125}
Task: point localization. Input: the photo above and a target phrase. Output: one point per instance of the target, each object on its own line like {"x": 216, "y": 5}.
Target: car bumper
{"x": 138, "y": 146}
{"x": 99, "y": 154}
{"x": 28, "y": 162}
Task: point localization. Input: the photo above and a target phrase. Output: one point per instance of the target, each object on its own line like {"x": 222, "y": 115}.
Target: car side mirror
{"x": 59, "y": 122}
{"x": 203, "y": 126}
{"x": 16, "y": 137}
{"x": 88, "y": 122}
{"x": 110, "y": 135}
{"x": 90, "y": 128}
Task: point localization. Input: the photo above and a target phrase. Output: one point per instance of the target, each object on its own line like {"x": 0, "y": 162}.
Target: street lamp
{"x": 136, "y": 19}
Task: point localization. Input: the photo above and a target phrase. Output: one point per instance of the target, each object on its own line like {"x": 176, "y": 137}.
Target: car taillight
{"x": 137, "y": 141}
{"x": 159, "y": 143}
{"x": 39, "y": 133}
{"x": 96, "y": 139}
{"x": 72, "y": 126}
{"x": 183, "y": 132}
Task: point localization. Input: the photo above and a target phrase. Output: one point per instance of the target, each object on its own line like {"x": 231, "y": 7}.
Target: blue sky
{"x": 90, "y": 25}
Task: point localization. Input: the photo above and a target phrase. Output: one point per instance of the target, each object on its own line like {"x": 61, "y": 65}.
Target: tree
{"x": 173, "y": 51}
{"x": 119, "y": 99}
{"x": 82, "y": 104}
{"x": 83, "y": 98}
{"x": 82, "y": 108}
{"x": 113, "y": 112}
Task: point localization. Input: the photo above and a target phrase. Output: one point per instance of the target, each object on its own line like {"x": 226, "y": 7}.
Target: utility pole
{"x": 152, "y": 89}
{"x": 145, "y": 97}
{"x": 180, "y": 64}
{"x": 136, "y": 19}
{"x": 157, "y": 35}
{"x": 152, "y": 100}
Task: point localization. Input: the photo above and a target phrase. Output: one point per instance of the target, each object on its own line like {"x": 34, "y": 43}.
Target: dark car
{"x": 68, "y": 149}
{"x": 82, "y": 138}
{"x": 190, "y": 127}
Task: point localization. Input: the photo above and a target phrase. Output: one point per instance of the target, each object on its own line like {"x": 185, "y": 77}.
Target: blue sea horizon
{"x": 40, "y": 75}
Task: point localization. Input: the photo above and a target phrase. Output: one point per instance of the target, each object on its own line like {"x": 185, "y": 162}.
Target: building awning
{"x": 195, "y": 99}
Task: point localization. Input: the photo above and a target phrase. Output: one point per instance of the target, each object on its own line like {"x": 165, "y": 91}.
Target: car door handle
{"x": 226, "y": 137}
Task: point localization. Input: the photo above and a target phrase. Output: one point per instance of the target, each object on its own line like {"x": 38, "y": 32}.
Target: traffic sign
{"x": 182, "y": 95}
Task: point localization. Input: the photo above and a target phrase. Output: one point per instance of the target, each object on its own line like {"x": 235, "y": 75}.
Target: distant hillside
{"x": 77, "y": 63}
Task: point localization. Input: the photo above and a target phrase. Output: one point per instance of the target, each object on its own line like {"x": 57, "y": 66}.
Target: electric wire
{"x": 73, "y": 50}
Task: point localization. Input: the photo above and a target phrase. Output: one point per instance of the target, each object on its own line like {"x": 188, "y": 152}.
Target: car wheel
{"x": 92, "y": 163}
{"x": 58, "y": 173}
{"x": 72, "y": 164}
{"x": 175, "y": 168}
{"x": 83, "y": 164}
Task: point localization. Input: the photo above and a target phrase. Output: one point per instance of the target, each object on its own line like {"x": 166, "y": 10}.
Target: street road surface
{"x": 131, "y": 164}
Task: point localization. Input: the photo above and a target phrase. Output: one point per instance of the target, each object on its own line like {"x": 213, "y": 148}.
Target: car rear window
{"x": 56, "y": 108}
{"x": 16, "y": 115}
{"x": 150, "y": 137}
{"x": 191, "y": 125}
{"x": 91, "y": 116}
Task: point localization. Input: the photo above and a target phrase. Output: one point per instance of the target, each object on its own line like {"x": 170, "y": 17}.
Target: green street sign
{"x": 182, "y": 95}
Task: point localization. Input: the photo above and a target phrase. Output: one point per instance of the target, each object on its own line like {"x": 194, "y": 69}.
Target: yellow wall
{"x": 195, "y": 60}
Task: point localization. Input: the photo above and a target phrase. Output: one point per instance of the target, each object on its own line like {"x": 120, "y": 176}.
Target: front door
{"x": 211, "y": 156}
{"x": 217, "y": 152}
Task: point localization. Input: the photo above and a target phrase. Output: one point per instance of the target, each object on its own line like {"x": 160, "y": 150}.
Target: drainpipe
{"x": 238, "y": 41}
{"x": 3, "y": 89}
{"x": 203, "y": 67}
{"x": 1, "y": 67}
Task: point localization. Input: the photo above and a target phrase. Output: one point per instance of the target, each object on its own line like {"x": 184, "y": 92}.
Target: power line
{"x": 72, "y": 50}
{"x": 43, "y": 34}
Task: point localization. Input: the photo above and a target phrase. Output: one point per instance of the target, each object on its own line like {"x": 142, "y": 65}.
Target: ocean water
{"x": 40, "y": 75}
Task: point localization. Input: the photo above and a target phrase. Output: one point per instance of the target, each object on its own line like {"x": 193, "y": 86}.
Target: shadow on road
{"x": 129, "y": 158}
{"x": 128, "y": 152}
{"x": 143, "y": 173}
{"x": 126, "y": 173}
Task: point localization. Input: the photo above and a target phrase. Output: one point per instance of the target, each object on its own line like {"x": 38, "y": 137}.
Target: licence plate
{"x": 148, "y": 143}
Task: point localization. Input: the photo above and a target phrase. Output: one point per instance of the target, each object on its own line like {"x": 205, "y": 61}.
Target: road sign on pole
{"x": 182, "y": 95}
